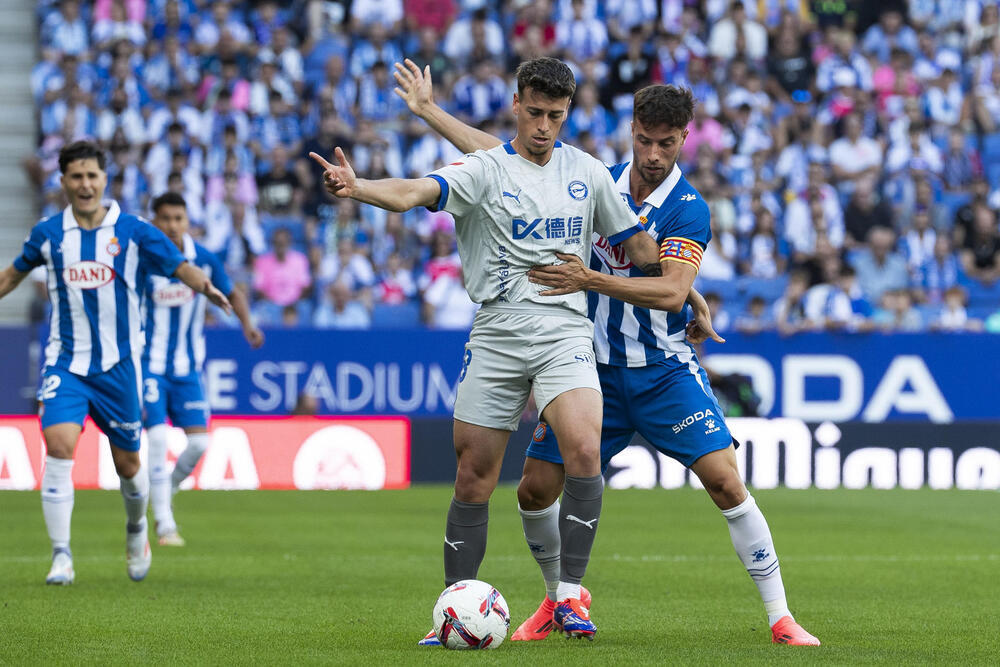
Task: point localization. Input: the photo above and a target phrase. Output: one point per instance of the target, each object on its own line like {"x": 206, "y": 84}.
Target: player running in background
{"x": 515, "y": 206}
{"x": 97, "y": 259}
{"x": 650, "y": 376}
{"x": 172, "y": 361}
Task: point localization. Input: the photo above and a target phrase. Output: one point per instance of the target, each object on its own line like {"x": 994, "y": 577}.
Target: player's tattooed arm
{"x": 417, "y": 90}
{"x": 9, "y": 279}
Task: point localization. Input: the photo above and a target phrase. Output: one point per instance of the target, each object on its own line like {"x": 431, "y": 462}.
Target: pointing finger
{"x": 321, "y": 160}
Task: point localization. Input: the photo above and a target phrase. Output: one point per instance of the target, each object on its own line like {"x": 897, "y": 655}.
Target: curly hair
{"x": 659, "y": 104}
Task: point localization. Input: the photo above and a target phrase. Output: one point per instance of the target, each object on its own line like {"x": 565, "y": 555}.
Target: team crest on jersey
{"x": 578, "y": 190}
{"x": 88, "y": 274}
{"x": 113, "y": 247}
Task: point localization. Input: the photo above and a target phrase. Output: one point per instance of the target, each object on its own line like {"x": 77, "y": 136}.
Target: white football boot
{"x": 138, "y": 556}
{"x": 61, "y": 573}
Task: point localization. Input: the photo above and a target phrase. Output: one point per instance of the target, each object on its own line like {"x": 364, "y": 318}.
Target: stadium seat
{"x": 395, "y": 316}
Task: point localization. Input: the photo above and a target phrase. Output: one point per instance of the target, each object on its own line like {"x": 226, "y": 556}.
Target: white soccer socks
{"x": 752, "y": 541}
{"x": 197, "y": 444}
{"x": 541, "y": 532}
{"x": 135, "y": 492}
{"x": 57, "y": 500}
{"x": 159, "y": 479}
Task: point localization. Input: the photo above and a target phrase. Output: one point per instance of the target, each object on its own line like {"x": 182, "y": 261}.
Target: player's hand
{"x": 218, "y": 298}
{"x": 700, "y": 329}
{"x": 254, "y": 336}
{"x": 415, "y": 87}
{"x": 562, "y": 278}
{"x": 339, "y": 180}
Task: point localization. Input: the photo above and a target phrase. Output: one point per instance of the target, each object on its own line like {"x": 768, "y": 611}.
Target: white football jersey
{"x": 512, "y": 214}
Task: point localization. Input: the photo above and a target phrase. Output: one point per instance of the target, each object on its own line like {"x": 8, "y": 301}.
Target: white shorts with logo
{"x": 511, "y": 351}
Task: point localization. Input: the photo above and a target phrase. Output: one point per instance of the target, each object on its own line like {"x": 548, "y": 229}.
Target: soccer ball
{"x": 471, "y": 614}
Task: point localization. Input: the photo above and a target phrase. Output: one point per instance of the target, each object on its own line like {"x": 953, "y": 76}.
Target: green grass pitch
{"x": 897, "y": 577}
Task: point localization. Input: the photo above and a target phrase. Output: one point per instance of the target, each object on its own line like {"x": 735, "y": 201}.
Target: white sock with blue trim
{"x": 752, "y": 541}
{"x": 159, "y": 479}
{"x": 135, "y": 492}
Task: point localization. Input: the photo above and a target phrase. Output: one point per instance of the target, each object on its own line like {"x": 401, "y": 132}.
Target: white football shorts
{"x": 512, "y": 351}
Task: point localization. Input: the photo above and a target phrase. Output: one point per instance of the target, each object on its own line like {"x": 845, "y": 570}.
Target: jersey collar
{"x": 657, "y": 196}
{"x": 510, "y": 149}
{"x": 110, "y": 218}
{"x": 189, "y": 249}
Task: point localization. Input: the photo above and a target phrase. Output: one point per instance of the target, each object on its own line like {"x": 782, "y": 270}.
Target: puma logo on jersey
{"x": 588, "y": 524}
{"x": 516, "y": 197}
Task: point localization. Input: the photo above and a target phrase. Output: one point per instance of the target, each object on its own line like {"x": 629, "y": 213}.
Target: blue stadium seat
{"x": 396, "y": 316}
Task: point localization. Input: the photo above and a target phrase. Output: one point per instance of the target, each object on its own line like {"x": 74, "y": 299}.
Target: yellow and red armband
{"x": 677, "y": 249}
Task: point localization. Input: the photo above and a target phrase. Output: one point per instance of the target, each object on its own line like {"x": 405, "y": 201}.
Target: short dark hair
{"x": 81, "y": 150}
{"x": 660, "y": 104}
{"x": 548, "y": 76}
{"x": 168, "y": 199}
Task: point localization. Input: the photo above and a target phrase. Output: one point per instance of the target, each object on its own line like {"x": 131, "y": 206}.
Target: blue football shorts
{"x": 182, "y": 399}
{"x": 670, "y": 403}
{"x": 110, "y": 398}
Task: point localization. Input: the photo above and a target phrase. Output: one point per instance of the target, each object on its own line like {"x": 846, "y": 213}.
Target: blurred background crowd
{"x": 849, "y": 151}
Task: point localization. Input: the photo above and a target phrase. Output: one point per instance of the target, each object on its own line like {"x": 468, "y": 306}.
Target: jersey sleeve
{"x": 156, "y": 252}
{"x": 687, "y": 237}
{"x": 219, "y": 277}
{"x": 613, "y": 219}
{"x": 463, "y": 184}
{"x": 31, "y": 253}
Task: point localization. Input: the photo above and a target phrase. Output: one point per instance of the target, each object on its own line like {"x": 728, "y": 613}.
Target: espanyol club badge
{"x": 113, "y": 247}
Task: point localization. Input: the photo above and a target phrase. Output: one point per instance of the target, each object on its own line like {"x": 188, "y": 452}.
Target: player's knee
{"x": 474, "y": 484}
{"x": 726, "y": 489}
{"x": 127, "y": 467}
{"x": 533, "y": 496}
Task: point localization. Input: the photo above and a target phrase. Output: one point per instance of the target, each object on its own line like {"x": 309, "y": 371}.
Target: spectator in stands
{"x": 889, "y": 33}
{"x": 281, "y": 278}
{"x": 176, "y": 110}
{"x": 340, "y": 310}
{"x": 435, "y": 15}
{"x": 534, "y": 34}
{"x": 756, "y": 319}
{"x": 388, "y": 13}
{"x": 479, "y": 95}
{"x": 629, "y": 72}
{"x": 222, "y": 115}
{"x": 211, "y": 28}
{"x": 474, "y": 36}
{"x": 789, "y": 310}
{"x": 582, "y": 36}
{"x": 879, "y": 267}
{"x": 279, "y": 190}
{"x": 268, "y": 82}
{"x": 587, "y": 115}
{"x": 938, "y": 274}
{"x": 446, "y": 304}
{"x": 766, "y": 253}
{"x": 865, "y": 211}
{"x": 65, "y": 30}
{"x": 896, "y": 312}
{"x": 854, "y": 156}
{"x": 734, "y": 29}
{"x": 113, "y": 24}
{"x": 720, "y": 316}
{"x": 953, "y": 316}
{"x": 814, "y": 214}
{"x": 395, "y": 285}
{"x": 980, "y": 255}
{"x": 917, "y": 243}
{"x": 961, "y": 163}
{"x": 789, "y": 65}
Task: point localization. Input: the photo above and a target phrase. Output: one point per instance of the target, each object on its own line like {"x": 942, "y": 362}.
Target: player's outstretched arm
{"x": 9, "y": 279}
{"x": 195, "y": 278}
{"x": 392, "y": 194}
{"x": 417, "y": 90}
{"x": 241, "y": 308}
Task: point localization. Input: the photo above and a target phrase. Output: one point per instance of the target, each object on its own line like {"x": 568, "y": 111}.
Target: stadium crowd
{"x": 849, "y": 151}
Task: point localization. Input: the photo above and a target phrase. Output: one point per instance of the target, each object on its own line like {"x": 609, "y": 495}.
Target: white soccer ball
{"x": 471, "y": 614}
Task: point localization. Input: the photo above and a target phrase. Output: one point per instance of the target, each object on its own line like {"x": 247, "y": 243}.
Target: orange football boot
{"x": 539, "y": 624}
{"x": 787, "y": 631}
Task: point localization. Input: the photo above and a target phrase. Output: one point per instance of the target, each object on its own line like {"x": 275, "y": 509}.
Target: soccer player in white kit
{"x": 515, "y": 206}
{"x": 650, "y": 381}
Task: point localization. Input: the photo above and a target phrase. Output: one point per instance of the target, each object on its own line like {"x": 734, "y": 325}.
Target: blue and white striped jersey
{"x": 678, "y": 218}
{"x": 175, "y": 316}
{"x": 94, "y": 278}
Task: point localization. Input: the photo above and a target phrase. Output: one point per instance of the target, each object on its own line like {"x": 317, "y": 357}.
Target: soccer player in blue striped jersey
{"x": 97, "y": 259}
{"x": 650, "y": 376}
{"x": 172, "y": 361}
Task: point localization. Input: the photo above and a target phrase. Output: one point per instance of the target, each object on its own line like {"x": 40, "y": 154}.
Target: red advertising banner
{"x": 246, "y": 453}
